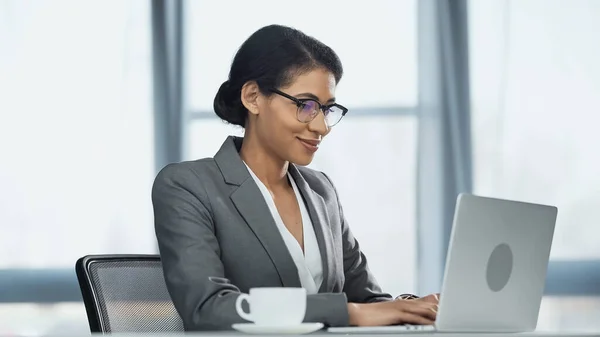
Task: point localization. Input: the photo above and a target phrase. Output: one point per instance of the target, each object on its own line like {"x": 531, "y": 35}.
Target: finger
{"x": 429, "y": 313}
{"x": 410, "y": 318}
{"x": 431, "y": 298}
{"x": 428, "y": 310}
{"x": 436, "y": 306}
{"x": 424, "y": 304}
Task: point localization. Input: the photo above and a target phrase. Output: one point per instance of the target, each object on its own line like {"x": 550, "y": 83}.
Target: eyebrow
{"x": 313, "y": 96}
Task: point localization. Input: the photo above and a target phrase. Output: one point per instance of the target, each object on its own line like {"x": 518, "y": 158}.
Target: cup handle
{"x": 240, "y": 310}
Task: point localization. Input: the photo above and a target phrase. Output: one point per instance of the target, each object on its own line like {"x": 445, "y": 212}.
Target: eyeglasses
{"x": 308, "y": 109}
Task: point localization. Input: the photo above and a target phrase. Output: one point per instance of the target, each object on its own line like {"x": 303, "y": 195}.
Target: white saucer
{"x": 269, "y": 329}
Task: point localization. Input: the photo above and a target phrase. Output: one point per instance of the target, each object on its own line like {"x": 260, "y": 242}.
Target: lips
{"x": 310, "y": 144}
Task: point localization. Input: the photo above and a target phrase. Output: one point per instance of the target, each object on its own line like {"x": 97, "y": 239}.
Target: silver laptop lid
{"x": 496, "y": 265}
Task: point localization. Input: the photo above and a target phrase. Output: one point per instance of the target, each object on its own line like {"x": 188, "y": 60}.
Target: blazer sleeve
{"x": 190, "y": 254}
{"x": 360, "y": 285}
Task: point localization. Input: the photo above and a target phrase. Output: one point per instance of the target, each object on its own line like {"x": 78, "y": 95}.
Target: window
{"x": 569, "y": 313}
{"x": 535, "y": 103}
{"x": 379, "y": 132}
{"x": 76, "y": 142}
{"x": 535, "y": 79}
{"x": 379, "y": 54}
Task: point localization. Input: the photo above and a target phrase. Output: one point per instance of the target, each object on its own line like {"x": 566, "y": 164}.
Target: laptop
{"x": 495, "y": 269}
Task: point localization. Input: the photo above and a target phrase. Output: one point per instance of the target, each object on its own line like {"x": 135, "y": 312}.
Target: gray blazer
{"x": 217, "y": 239}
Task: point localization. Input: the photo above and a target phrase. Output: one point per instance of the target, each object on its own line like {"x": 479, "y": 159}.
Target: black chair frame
{"x": 90, "y": 298}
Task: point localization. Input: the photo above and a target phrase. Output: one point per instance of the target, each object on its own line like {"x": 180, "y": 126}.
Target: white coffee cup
{"x": 274, "y": 306}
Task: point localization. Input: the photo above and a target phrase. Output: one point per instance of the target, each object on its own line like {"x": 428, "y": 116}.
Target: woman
{"x": 254, "y": 216}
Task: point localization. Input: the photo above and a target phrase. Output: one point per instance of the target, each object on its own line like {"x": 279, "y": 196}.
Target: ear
{"x": 250, "y": 96}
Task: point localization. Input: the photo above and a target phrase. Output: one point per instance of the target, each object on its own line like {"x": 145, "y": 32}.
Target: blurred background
{"x": 496, "y": 97}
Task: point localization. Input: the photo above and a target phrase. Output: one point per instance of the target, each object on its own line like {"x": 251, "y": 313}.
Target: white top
{"x": 309, "y": 265}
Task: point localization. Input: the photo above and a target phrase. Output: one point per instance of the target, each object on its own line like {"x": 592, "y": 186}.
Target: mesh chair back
{"x": 126, "y": 293}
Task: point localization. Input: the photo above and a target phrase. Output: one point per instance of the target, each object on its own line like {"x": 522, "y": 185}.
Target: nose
{"x": 319, "y": 125}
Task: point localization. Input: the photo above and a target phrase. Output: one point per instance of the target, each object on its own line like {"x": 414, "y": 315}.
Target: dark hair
{"x": 273, "y": 56}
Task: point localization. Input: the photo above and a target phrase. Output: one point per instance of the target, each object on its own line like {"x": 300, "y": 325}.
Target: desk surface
{"x": 324, "y": 333}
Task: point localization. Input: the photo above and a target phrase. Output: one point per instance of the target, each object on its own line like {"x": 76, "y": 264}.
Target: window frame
{"x": 53, "y": 285}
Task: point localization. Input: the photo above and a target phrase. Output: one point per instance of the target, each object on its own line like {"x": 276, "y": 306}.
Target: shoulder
{"x": 189, "y": 175}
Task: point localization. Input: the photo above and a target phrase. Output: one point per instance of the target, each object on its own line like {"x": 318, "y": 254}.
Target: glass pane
{"x": 76, "y": 131}
{"x": 378, "y": 53}
{"x": 375, "y": 175}
{"x": 36, "y": 319}
{"x": 536, "y": 79}
{"x": 206, "y": 135}
{"x": 570, "y": 314}
{"x": 382, "y": 216}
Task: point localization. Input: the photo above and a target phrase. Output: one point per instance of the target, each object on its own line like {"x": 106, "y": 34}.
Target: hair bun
{"x": 225, "y": 86}
{"x": 229, "y": 107}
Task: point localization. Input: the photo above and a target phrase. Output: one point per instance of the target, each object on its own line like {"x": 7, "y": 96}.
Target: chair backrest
{"x": 126, "y": 293}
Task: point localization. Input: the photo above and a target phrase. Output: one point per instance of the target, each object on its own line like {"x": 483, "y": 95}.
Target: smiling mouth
{"x": 309, "y": 144}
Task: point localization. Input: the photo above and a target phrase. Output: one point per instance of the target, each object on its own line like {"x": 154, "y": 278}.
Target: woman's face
{"x": 278, "y": 127}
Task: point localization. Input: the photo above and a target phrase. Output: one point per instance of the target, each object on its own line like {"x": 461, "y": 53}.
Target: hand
{"x": 421, "y": 312}
{"x": 433, "y": 298}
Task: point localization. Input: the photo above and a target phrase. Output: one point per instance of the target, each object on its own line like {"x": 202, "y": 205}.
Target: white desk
{"x": 324, "y": 333}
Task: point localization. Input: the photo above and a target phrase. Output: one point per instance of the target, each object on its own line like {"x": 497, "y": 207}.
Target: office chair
{"x": 126, "y": 293}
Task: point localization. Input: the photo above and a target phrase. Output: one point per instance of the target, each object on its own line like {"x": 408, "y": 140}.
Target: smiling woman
{"x": 254, "y": 215}
{"x": 378, "y": 134}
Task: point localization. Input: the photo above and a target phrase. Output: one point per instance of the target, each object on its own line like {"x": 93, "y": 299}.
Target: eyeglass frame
{"x": 301, "y": 101}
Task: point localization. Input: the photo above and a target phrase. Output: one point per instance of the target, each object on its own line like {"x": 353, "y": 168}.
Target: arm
{"x": 360, "y": 285}
{"x": 190, "y": 254}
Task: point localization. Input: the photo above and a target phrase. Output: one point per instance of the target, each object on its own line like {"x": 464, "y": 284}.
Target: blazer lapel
{"x": 251, "y": 205}
{"x": 320, "y": 219}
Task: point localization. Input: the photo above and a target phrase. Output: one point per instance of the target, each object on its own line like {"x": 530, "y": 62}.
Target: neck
{"x": 271, "y": 170}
